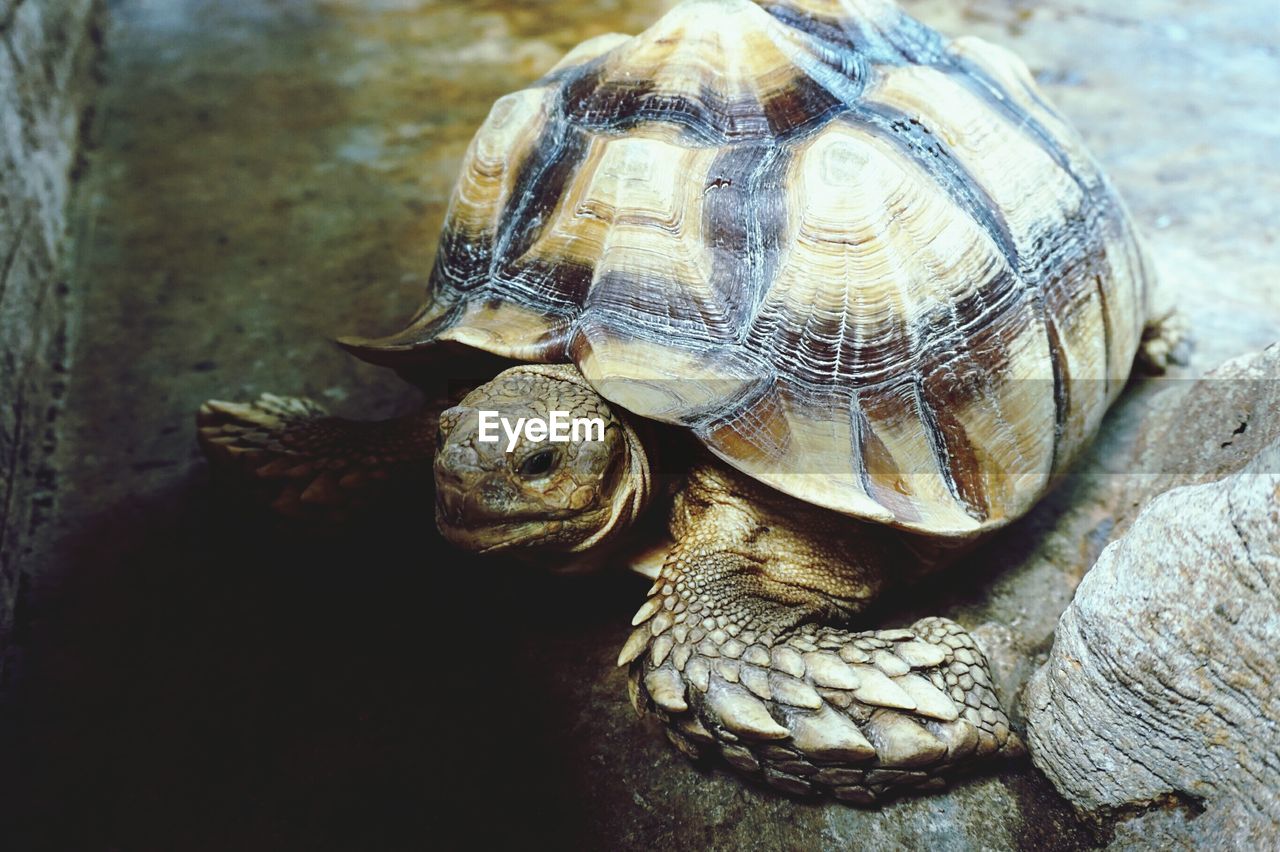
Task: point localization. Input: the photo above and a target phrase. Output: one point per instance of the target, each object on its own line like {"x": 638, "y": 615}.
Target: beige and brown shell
{"x": 864, "y": 264}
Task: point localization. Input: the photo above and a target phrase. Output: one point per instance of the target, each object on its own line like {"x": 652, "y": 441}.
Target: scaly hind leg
{"x": 740, "y": 652}
{"x": 1166, "y": 341}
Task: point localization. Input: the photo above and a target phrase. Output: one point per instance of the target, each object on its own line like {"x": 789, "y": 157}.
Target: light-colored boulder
{"x": 1164, "y": 679}
{"x": 1200, "y": 431}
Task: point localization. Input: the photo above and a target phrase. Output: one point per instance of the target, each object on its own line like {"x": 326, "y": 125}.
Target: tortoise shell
{"x": 866, "y": 265}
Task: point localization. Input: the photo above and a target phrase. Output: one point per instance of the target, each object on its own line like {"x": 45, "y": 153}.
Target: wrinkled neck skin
{"x": 638, "y": 538}
{"x": 620, "y": 533}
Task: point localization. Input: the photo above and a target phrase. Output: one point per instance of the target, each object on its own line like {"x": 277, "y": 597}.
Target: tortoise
{"x": 868, "y": 272}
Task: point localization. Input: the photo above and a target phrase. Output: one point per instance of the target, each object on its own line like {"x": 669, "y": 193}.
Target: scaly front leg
{"x": 304, "y": 463}
{"x": 735, "y": 651}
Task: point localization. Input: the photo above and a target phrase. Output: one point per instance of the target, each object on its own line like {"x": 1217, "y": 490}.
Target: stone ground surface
{"x": 265, "y": 175}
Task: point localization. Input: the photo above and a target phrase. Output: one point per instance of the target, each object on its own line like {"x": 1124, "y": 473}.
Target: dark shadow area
{"x": 199, "y": 680}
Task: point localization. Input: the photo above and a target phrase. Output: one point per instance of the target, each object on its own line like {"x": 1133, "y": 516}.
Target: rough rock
{"x": 1161, "y": 685}
{"x": 47, "y": 50}
{"x": 1201, "y": 430}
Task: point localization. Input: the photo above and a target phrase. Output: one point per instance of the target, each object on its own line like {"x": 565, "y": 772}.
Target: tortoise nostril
{"x": 456, "y": 458}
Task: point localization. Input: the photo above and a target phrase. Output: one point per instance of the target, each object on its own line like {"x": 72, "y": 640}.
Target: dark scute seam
{"x": 744, "y": 220}
{"x": 1095, "y": 204}
{"x": 933, "y": 434}
{"x": 556, "y": 157}
{"x": 1107, "y": 335}
{"x": 977, "y": 80}
{"x": 906, "y": 40}
{"x": 1061, "y": 401}
{"x": 920, "y": 146}
{"x": 933, "y": 155}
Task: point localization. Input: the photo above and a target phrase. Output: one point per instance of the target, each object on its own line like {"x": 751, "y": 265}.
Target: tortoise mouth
{"x": 491, "y": 538}
{"x": 484, "y": 535}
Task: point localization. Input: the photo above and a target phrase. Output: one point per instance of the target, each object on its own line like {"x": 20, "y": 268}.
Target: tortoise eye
{"x": 538, "y": 464}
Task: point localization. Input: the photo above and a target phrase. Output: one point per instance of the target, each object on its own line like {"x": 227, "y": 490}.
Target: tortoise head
{"x": 537, "y": 459}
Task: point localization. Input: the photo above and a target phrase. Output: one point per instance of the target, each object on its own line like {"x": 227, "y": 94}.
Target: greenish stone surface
{"x": 263, "y": 176}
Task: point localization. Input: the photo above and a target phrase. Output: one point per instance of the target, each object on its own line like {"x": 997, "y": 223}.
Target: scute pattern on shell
{"x": 866, "y": 265}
